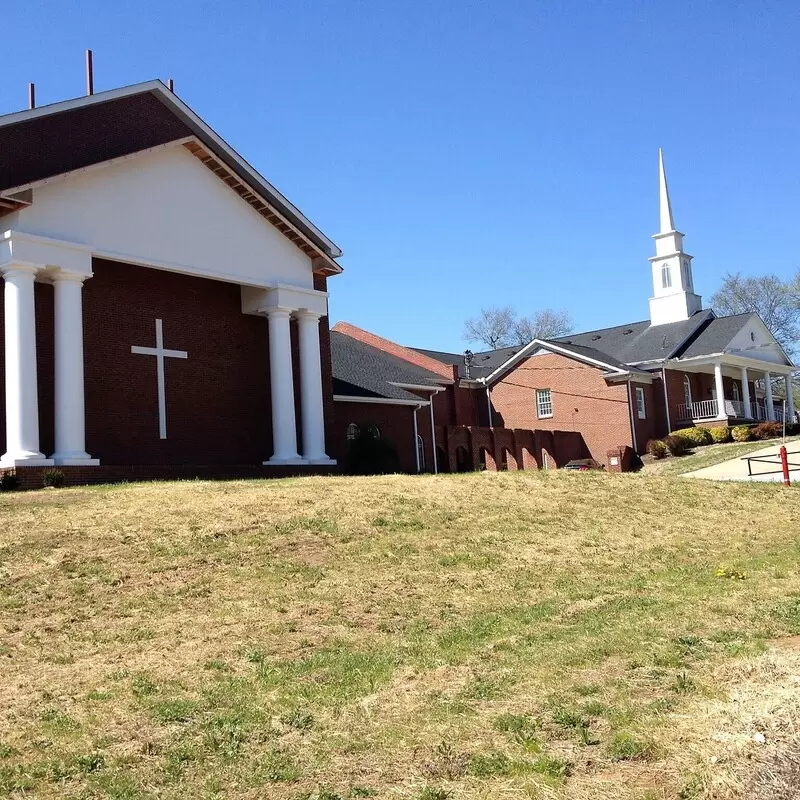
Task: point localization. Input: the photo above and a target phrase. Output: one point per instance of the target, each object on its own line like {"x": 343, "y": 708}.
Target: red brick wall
{"x": 395, "y": 422}
{"x": 602, "y": 415}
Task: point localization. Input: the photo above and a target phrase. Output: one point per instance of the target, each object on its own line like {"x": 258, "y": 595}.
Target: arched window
{"x": 352, "y": 431}
{"x": 374, "y": 431}
{"x": 666, "y": 277}
{"x": 687, "y": 276}
{"x": 421, "y": 453}
{"x": 687, "y": 390}
{"x": 736, "y": 395}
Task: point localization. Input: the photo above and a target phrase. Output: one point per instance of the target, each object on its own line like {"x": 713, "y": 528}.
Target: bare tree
{"x": 777, "y": 302}
{"x": 544, "y": 324}
{"x": 501, "y": 327}
{"x": 493, "y": 327}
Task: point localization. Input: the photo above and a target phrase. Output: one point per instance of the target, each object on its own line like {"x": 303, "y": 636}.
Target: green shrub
{"x": 767, "y": 430}
{"x": 54, "y": 478}
{"x": 741, "y": 433}
{"x": 369, "y": 455}
{"x": 9, "y": 482}
{"x": 676, "y": 445}
{"x": 721, "y": 434}
{"x": 657, "y": 449}
{"x": 697, "y": 437}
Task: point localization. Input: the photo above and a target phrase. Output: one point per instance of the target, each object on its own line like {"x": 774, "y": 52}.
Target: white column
{"x": 281, "y": 379}
{"x": 22, "y": 401}
{"x": 69, "y": 384}
{"x": 721, "y": 414}
{"x": 748, "y": 412}
{"x": 311, "y": 410}
{"x": 768, "y": 390}
{"x": 789, "y": 399}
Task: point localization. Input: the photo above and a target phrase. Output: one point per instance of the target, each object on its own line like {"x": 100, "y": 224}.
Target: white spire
{"x": 665, "y": 209}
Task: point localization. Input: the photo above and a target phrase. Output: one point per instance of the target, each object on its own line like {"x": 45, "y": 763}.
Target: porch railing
{"x": 736, "y": 409}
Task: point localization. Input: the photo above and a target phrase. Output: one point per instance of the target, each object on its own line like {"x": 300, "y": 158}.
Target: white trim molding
{"x": 386, "y": 401}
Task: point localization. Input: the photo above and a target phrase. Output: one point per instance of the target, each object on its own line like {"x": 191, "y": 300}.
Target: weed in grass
{"x": 683, "y": 684}
{"x": 174, "y": 710}
{"x": 142, "y": 686}
{"x": 523, "y": 728}
{"x": 219, "y": 666}
{"x": 92, "y": 762}
{"x": 118, "y": 786}
{"x": 177, "y": 759}
{"x": 255, "y": 656}
{"x": 693, "y": 788}
{"x": 434, "y": 793}
{"x": 586, "y": 689}
{"x": 298, "y": 719}
{"x": 224, "y": 736}
{"x": 585, "y": 737}
{"x": 447, "y": 763}
{"x": 362, "y": 791}
{"x": 276, "y": 767}
{"x": 57, "y": 721}
{"x": 98, "y": 696}
{"x": 594, "y": 708}
{"x": 485, "y": 765}
{"x": 553, "y": 768}
{"x": 571, "y": 720}
{"x": 7, "y": 752}
{"x": 626, "y": 747}
{"x": 731, "y": 573}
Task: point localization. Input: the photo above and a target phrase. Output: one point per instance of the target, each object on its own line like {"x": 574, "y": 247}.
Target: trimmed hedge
{"x": 767, "y": 430}
{"x": 677, "y": 445}
{"x": 657, "y": 449}
{"x": 697, "y": 437}
{"x": 741, "y": 433}
{"x": 720, "y": 434}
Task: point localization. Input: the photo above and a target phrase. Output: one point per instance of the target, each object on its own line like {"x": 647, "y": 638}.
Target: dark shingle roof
{"x": 360, "y": 370}
{"x": 591, "y": 352}
{"x": 716, "y": 336}
{"x": 637, "y": 342}
{"x": 483, "y": 364}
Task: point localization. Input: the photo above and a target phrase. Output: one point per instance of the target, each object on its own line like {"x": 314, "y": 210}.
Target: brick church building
{"x": 616, "y": 388}
{"x": 165, "y": 313}
{"x": 165, "y": 307}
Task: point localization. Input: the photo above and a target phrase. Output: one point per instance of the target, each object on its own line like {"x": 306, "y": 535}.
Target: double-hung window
{"x": 544, "y": 403}
{"x": 641, "y": 411}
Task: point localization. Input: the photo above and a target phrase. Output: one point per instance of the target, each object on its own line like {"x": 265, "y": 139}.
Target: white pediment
{"x": 755, "y": 340}
{"x": 165, "y": 209}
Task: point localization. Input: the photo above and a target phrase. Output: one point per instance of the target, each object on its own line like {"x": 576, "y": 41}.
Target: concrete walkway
{"x": 736, "y": 468}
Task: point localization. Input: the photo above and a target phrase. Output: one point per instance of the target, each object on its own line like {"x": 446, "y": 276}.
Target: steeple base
{"x": 674, "y": 307}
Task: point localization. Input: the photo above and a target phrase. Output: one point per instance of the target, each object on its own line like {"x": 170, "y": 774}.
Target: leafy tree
{"x": 777, "y": 302}
{"x": 502, "y": 327}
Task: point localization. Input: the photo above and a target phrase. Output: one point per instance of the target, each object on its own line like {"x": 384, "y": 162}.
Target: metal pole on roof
{"x": 89, "y": 73}
{"x": 171, "y": 85}
{"x": 31, "y": 95}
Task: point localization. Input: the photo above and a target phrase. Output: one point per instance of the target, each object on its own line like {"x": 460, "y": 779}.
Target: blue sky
{"x": 475, "y": 154}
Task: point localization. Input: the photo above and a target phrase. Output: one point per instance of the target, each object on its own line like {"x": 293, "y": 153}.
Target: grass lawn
{"x": 495, "y": 635}
{"x": 709, "y": 455}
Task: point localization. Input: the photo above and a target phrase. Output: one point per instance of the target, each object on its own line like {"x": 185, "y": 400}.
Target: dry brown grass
{"x": 479, "y": 635}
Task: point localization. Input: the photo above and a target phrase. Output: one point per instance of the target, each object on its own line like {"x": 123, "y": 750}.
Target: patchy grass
{"x": 510, "y": 635}
{"x": 709, "y": 455}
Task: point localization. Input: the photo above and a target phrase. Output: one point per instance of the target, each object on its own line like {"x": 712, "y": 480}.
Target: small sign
{"x": 614, "y": 461}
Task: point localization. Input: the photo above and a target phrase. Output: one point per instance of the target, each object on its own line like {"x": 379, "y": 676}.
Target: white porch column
{"x": 789, "y": 398}
{"x": 311, "y": 411}
{"x": 768, "y": 390}
{"x": 69, "y": 384}
{"x": 721, "y": 413}
{"x": 748, "y": 412}
{"x": 281, "y": 379}
{"x": 22, "y": 401}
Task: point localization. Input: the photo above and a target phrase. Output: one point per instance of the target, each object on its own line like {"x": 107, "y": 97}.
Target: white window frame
{"x": 641, "y": 407}
{"x": 352, "y": 432}
{"x": 421, "y": 453}
{"x": 666, "y": 277}
{"x": 687, "y": 391}
{"x": 544, "y": 401}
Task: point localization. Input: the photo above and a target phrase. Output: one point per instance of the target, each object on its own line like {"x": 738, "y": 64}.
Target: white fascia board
{"x": 417, "y": 387}
{"x": 730, "y": 360}
{"x": 632, "y": 375}
{"x": 171, "y": 100}
{"x": 385, "y": 401}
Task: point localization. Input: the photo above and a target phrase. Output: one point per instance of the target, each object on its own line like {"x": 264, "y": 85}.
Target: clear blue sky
{"x": 475, "y": 153}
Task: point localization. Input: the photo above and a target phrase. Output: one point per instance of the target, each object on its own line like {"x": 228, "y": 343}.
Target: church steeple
{"x": 673, "y": 288}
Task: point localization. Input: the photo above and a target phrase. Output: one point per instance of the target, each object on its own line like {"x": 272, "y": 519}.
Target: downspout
{"x": 416, "y": 436}
{"x": 433, "y": 438}
{"x": 633, "y": 424}
{"x": 666, "y": 398}
{"x": 489, "y": 404}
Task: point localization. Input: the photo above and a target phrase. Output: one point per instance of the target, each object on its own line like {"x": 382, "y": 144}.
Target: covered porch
{"x": 733, "y": 389}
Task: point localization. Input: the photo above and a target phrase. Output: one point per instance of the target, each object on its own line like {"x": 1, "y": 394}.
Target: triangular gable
{"x": 163, "y": 208}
